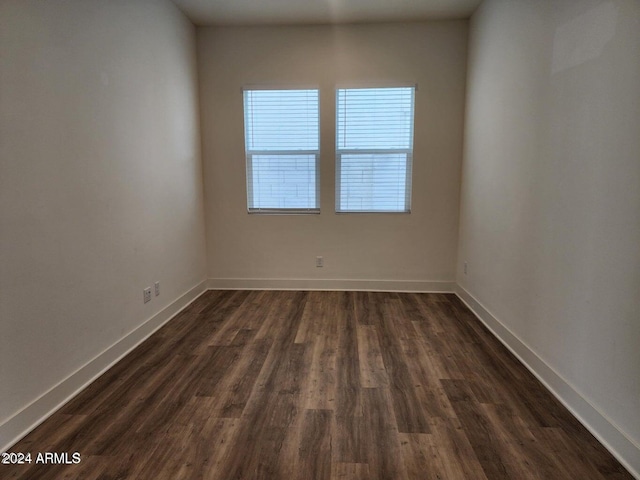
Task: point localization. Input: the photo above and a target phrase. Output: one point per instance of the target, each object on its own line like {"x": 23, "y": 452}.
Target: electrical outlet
{"x": 157, "y": 287}
{"x": 465, "y": 268}
{"x": 319, "y": 262}
{"x": 147, "y": 294}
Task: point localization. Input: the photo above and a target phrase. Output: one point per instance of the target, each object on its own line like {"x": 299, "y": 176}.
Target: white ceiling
{"x": 257, "y": 12}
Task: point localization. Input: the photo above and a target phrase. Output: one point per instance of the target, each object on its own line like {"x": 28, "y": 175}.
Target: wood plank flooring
{"x": 318, "y": 386}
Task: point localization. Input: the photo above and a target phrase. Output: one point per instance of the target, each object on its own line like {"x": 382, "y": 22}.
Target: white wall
{"x": 420, "y": 247}
{"x": 550, "y": 202}
{"x": 100, "y": 181}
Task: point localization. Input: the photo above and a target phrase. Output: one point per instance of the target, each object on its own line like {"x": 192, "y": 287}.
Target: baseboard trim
{"x": 421, "y": 286}
{"x": 612, "y": 437}
{"x": 23, "y": 422}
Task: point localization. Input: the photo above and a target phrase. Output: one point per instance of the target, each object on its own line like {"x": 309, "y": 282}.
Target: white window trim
{"x": 250, "y": 153}
{"x": 407, "y": 151}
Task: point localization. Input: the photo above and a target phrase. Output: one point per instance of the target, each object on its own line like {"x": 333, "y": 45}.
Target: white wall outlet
{"x": 147, "y": 294}
{"x": 319, "y": 262}
{"x": 157, "y": 288}
{"x": 465, "y": 268}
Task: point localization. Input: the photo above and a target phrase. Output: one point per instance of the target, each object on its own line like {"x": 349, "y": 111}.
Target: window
{"x": 281, "y": 143}
{"x": 374, "y": 149}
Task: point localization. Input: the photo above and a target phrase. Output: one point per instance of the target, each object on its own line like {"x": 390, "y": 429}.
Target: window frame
{"x": 250, "y": 153}
{"x": 372, "y": 151}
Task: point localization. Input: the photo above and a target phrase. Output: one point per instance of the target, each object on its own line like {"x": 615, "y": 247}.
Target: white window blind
{"x": 374, "y": 149}
{"x": 282, "y": 149}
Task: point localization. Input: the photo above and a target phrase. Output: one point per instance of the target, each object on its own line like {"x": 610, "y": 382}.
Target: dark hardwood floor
{"x": 313, "y": 386}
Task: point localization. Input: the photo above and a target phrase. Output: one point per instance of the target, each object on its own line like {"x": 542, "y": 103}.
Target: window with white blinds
{"x": 374, "y": 149}
{"x": 282, "y": 149}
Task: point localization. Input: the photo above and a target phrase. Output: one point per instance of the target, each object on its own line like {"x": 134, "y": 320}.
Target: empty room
{"x": 320, "y": 239}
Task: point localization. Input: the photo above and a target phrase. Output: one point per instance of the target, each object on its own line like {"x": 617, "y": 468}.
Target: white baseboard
{"x": 608, "y": 433}
{"x": 20, "y": 424}
{"x": 330, "y": 285}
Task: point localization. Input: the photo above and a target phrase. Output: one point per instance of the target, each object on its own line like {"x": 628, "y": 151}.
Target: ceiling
{"x": 260, "y": 12}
